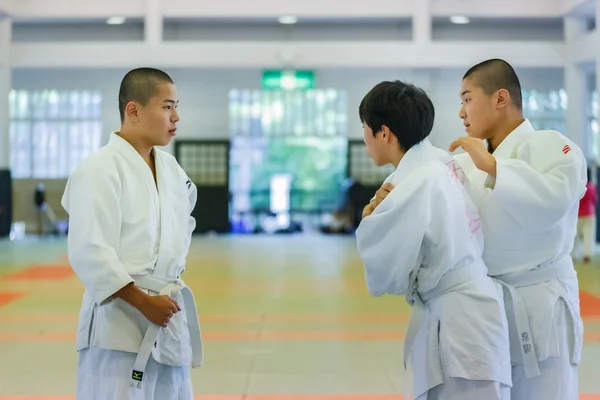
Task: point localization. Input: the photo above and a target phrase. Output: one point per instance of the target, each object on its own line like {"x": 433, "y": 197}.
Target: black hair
{"x": 404, "y": 108}
{"x": 495, "y": 74}
{"x": 140, "y": 85}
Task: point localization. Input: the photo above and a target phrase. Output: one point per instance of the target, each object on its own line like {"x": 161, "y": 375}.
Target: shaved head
{"x": 495, "y": 74}
{"x": 140, "y": 85}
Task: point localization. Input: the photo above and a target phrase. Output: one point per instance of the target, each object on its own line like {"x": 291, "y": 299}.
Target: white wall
{"x": 204, "y": 93}
{"x": 398, "y": 29}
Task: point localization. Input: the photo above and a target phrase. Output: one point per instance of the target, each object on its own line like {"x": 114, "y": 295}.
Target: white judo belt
{"x": 168, "y": 287}
{"x": 562, "y": 268}
{"x": 447, "y": 283}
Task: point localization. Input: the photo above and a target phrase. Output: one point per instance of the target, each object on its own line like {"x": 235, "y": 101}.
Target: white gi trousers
{"x": 463, "y": 389}
{"x": 106, "y": 375}
{"x": 440, "y": 376}
{"x": 558, "y": 379}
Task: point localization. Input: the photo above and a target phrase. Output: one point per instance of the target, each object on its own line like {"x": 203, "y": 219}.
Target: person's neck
{"x": 143, "y": 148}
{"x": 502, "y": 131}
{"x": 396, "y": 158}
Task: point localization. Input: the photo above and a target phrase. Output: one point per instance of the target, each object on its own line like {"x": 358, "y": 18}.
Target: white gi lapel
{"x": 508, "y": 148}
{"x": 143, "y": 170}
{"x": 133, "y": 157}
{"x": 163, "y": 264}
{"x": 163, "y": 280}
{"x": 136, "y": 160}
{"x": 509, "y": 144}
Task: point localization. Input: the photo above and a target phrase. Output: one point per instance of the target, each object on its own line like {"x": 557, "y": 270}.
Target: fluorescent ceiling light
{"x": 115, "y": 20}
{"x": 459, "y": 19}
{"x": 288, "y": 19}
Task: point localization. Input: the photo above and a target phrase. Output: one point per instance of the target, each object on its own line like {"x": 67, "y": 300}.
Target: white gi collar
{"x": 118, "y": 142}
{"x": 510, "y": 142}
{"x": 131, "y": 154}
{"x": 414, "y": 156}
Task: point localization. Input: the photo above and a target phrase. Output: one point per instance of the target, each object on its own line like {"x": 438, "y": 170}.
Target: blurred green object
{"x": 288, "y": 79}
{"x": 317, "y": 165}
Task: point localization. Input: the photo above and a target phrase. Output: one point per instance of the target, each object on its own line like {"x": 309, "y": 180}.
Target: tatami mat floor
{"x": 282, "y": 317}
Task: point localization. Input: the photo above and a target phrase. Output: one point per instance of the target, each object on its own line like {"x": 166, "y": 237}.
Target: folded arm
{"x": 389, "y": 240}
{"x": 92, "y": 200}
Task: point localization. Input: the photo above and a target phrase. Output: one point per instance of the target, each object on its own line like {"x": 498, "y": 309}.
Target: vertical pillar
{"x": 597, "y": 17}
{"x": 575, "y": 118}
{"x": 597, "y": 88}
{"x": 153, "y": 22}
{"x": 576, "y": 88}
{"x": 5, "y": 85}
{"x": 421, "y": 21}
{"x": 597, "y": 72}
{"x": 595, "y": 164}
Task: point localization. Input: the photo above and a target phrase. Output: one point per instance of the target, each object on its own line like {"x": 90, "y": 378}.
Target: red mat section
{"x": 590, "y": 305}
{"x": 41, "y": 273}
{"x": 9, "y": 297}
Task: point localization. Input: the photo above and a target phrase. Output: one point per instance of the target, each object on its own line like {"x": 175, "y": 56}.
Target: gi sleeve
{"x": 544, "y": 182}
{"x": 92, "y": 200}
{"x": 389, "y": 241}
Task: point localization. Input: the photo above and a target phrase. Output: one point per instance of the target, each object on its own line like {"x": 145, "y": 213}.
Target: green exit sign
{"x": 288, "y": 80}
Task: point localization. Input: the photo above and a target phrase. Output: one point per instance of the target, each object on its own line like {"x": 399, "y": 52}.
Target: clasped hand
{"x": 381, "y": 194}
{"x": 160, "y": 309}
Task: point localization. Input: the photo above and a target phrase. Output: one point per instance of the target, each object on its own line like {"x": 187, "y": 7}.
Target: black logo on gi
{"x": 137, "y": 375}
{"x": 525, "y": 338}
{"x": 188, "y": 183}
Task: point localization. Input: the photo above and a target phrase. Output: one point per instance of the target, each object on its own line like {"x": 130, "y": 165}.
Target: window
{"x": 297, "y": 134}
{"x": 52, "y": 131}
{"x": 546, "y": 110}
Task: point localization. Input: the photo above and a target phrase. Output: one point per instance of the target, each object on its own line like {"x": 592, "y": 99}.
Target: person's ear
{"x": 502, "y": 98}
{"x": 386, "y": 132}
{"x": 132, "y": 111}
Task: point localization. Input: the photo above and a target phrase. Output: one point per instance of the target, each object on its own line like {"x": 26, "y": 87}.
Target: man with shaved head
{"x": 527, "y": 185}
{"x": 130, "y": 228}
